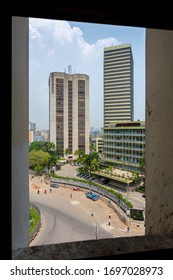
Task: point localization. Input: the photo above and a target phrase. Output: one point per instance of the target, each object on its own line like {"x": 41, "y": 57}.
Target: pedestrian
{"x": 45, "y": 191}
{"x": 109, "y": 215}
{"x": 50, "y": 190}
{"x": 71, "y": 195}
{"x": 38, "y": 192}
{"x": 128, "y": 229}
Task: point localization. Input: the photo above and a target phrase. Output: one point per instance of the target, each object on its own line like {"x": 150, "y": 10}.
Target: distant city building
{"x": 124, "y": 144}
{"x": 39, "y": 138}
{"x": 118, "y": 84}
{"x": 69, "y": 111}
{"x": 31, "y": 136}
{"x": 98, "y": 141}
{"x": 32, "y": 126}
{"x": 44, "y": 134}
{"x": 32, "y": 132}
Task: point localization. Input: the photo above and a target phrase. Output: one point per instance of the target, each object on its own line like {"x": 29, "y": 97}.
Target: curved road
{"x": 64, "y": 219}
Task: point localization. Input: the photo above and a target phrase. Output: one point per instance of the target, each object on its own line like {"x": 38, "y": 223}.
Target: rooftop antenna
{"x": 69, "y": 69}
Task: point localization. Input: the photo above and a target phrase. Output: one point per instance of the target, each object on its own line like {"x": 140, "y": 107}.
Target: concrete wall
{"x": 159, "y": 131}
{"x": 20, "y": 139}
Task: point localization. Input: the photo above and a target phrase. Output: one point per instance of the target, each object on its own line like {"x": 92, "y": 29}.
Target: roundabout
{"x": 67, "y": 215}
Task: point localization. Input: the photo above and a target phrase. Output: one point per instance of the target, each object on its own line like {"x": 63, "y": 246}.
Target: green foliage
{"x": 141, "y": 189}
{"x": 95, "y": 165}
{"x": 38, "y": 159}
{"x": 137, "y": 214}
{"x": 38, "y": 168}
{"x": 118, "y": 195}
{"x": 45, "y": 146}
{"x": 59, "y": 151}
{"x": 80, "y": 155}
{"x": 142, "y": 164}
{"x": 35, "y": 218}
{"x": 92, "y": 147}
{"x": 67, "y": 151}
{"x": 90, "y": 157}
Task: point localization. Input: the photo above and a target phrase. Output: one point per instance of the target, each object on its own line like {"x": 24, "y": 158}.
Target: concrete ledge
{"x": 138, "y": 247}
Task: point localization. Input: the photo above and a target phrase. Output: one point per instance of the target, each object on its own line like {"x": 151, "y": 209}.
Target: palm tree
{"x": 95, "y": 165}
{"x": 142, "y": 164}
{"x": 92, "y": 147}
{"x": 80, "y": 155}
{"x": 89, "y": 158}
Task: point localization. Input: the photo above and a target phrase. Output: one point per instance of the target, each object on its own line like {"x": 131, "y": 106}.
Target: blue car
{"x": 92, "y": 196}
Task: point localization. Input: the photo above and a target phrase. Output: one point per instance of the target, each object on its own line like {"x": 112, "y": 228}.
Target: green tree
{"x": 89, "y": 158}
{"x": 142, "y": 164}
{"x": 59, "y": 151}
{"x": 37, "y": 145}
{"x": 45, "y": 146}
{"x": 80, "y": 155}
{"x": 52, "y": 161}
{"x": 50, "y": 147}
{"x": 109, "y": 169}
{"x": 67, "y": 151}
{"x": 92, "y": 147}
{"x": 38, "y": 160}
{"x": 95, "y": 165}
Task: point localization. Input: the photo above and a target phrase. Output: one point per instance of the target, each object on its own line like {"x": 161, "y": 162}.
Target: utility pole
{"x": 96, "y": 231}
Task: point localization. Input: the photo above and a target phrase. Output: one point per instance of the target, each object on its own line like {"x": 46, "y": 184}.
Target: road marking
{"x": 123, "y": 229}
{"x": 106, "y": 227}
{"x": 74, "y": 202}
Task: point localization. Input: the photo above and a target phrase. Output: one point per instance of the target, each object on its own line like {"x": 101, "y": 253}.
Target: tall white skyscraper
{"x": 118, "y": 84}
{"x": 69, "y": 111}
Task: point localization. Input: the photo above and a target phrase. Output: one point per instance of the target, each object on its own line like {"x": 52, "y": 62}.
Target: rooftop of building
{"x": 126, "y": 124}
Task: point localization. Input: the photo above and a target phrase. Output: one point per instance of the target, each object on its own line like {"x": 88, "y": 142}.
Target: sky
{"x": 54, "y": 45}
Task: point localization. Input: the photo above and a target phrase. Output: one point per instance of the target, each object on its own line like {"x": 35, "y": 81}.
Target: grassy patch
{"x": 34, "y": 218}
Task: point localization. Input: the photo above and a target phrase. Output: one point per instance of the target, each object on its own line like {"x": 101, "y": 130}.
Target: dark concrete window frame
{"x": 136, "y": 247}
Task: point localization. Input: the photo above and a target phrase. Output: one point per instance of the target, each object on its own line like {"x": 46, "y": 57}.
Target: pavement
{"x": 103, "y": 214}
{"x": 134, "y": 197}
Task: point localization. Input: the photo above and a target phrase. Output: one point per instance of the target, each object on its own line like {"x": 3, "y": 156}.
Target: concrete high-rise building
{"x": 69, "y": 111}
{"x": 32, "y": 132}
{"x": 118, "y": 84}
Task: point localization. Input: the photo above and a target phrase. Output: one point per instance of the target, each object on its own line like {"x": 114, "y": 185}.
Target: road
{"x": 134, "y": 197}
{"x": 66, "y": 219}
{"x": 63, "y": 220}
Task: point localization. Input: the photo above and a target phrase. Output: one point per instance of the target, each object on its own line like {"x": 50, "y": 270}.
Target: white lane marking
{"x": 74, "y": 202}
{"x": 107, "y": 227}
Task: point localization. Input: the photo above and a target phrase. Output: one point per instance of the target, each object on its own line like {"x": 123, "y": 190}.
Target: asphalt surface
{"x": 134, "y": 197}
{"x": 66, "y": 219}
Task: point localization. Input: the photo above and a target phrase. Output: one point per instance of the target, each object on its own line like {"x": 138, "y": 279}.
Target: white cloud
{"x": 63, "y": 33}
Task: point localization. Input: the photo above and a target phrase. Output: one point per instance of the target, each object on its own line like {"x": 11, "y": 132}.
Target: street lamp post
{"x": 96, "y": 231}
{"x": 90, "y": 179}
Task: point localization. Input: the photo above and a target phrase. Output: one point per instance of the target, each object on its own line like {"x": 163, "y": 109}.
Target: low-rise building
{"x": 124, "y": 144}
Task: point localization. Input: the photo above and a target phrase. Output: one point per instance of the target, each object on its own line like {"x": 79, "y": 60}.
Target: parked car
{"x": 76, "y": 189}
{"x": 54, "y": 185}
{"x": 92, "y": 196}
